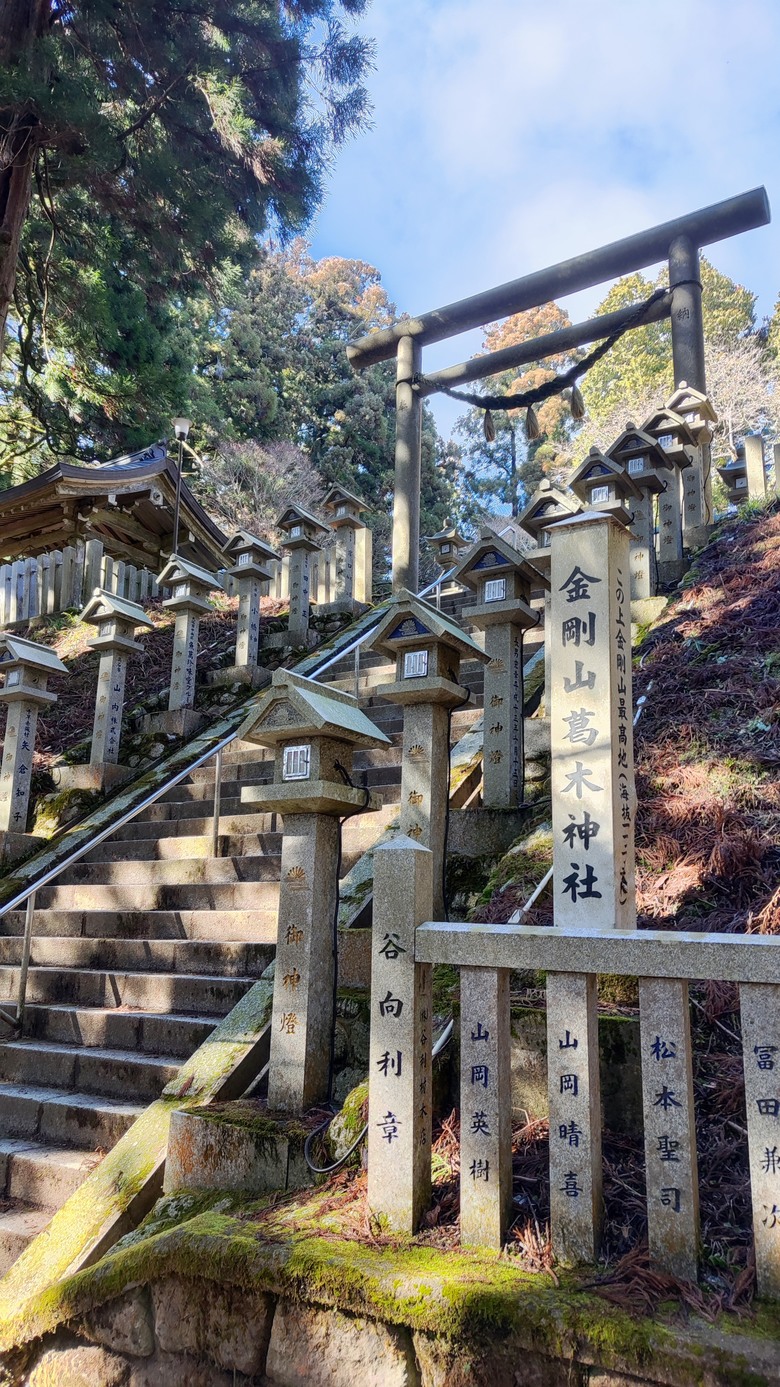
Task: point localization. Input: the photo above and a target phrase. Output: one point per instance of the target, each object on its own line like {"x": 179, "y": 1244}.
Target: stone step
{"x": 247, "y": 827}
{"x": 111, "y": 1029}
{"x": 243, "y": 926}
{"x": 243, "y": 895}
{"x": 19, "y": 1224}
{"x": 237, "y": 824}
{"x": 154, "y": 848}
{"x": 195, "y": 956}
{"x": 57, "y": 1117}
{"x": 215, "y": 871}
{"x": 87, "y": 1070}
{"x": 188, "y": 993}
{"x": 42, "y": 1176}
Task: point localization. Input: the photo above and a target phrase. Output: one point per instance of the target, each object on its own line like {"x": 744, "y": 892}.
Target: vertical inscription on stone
{"x": 593, "y": 792}
{"x": 575, "y": 1116}
{"x": 248, "y": 631}
{"x": 670, "y": 1127}
{"x": 760, "y": 1009}
{"x": 16, "y": 769}
{"x": 485, "y": 1107}
{"x": 400, "y": 1096}
{"x": 185, "y": 657}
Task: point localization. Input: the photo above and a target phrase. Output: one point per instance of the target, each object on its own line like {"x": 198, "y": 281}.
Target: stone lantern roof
{"x": 312, "y": 529}
{"x": 409, "y": 619}
{"x": 547, "y": 506}
{"x": 294, "y": 707}
{"x": 672, "y": 435}
{"x": 599, "y": 471}
{"x": 695, "y": 408}
{"x": 494, "y": 554}
{"x": 103, "y": 605}
{"x": 16, "y": 651}
{"x": 344, "y": 506}
{"x": 244, "y": 542}
{"x": 640, "y": 456}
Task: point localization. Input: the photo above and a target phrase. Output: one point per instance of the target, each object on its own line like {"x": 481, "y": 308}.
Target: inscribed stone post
{"x": 107, "y": 726}
{"x": 670, "y": 551}
{"x": 502, "y": 766}
{"x": 303, "y": 978}
{"x": 593, "y": 795}
{"x": 400, "y": 1093}
{"x": 642, "y": 550}
{"x": 485, "y": 1107}
{"x": 760, "y": 1011}
{"x": 300, "y": 597}
{"x": 694, "y": 507}
{"x": 248, "y": 628}
{"x": 16, "y": 771}
{"x": 754, "y": 462}
{"x": 185, "y": 659}
{"x": 425, "y": 781}
{"x": 575, "y": 1116}
{"x": 669, "y": 1127}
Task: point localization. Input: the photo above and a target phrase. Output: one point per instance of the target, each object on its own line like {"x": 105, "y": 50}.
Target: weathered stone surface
{"x": 485, "y": 1095}
{"x": 575, "y": 1117}
{"x": 230, "y": 1326}
{"x": 79, "y": 1365}
{"x": 323, "y": 1348}
{"x": 124, "y": 1324}
{"x": 760, "y": 1015}
{"x": 204, "y": 1153}
{"x": 593, "y": 795}
{"x": 619, "y": 1066}
{"x": 181, "y": 1370}
{"x": 443, "y": 1363}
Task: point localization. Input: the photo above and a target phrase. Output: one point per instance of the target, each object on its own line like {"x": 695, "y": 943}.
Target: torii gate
{"x": 677, "y": 241}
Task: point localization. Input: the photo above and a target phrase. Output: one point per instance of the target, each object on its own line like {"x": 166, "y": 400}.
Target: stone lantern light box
{"x": 247, "y": 556}
{"x": 695, "y": 409}
{"x": 604, "y": 486}
{"x": 190, "y": 585}
{"x": 427, "y": 648}
{"x": 673, "y": 436}
{"x": 343, "y": 507}
{"x": 503, "y": 579}
{"x": 301, "y": 529}
{"x": 734, "y": 476}
{"x": 26, "y": 666}
{"x": 641, "y": 457}
{"x": 448, "y": 544}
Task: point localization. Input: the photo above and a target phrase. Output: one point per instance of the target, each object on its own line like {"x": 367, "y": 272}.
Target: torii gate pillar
{"x": 408, "y": 462}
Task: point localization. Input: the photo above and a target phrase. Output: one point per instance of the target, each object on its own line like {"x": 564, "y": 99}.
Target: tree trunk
{"x": 22, "y": 23}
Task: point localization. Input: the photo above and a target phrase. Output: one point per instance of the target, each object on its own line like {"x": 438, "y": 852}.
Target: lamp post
{"x": 181, "y": 428}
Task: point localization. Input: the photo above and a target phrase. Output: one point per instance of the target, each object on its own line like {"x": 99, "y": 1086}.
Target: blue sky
{"x": 509, "y": 135}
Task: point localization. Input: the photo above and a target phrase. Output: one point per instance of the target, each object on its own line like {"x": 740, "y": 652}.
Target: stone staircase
{"x": 138, "y": 951}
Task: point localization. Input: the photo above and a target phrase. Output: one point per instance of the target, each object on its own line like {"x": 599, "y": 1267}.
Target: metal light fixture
{"x": 181, "y": 428}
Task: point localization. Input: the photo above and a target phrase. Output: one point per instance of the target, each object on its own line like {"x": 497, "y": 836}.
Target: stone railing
{"x": 406, "y": 945}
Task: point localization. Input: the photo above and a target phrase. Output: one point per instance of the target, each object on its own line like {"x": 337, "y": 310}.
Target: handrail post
{"x": 357, "y": 671}
{"x": 26, "y": 949}
{"x": 217, "y": 799}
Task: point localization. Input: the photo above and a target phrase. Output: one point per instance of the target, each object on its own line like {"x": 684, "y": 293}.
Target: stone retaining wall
{"x": 186, "y": 1332}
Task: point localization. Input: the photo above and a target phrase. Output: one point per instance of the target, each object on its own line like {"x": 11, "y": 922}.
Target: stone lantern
{"x": 694, "y": 407}
{"x": 428, "y": 648}
{"x": 547, "y": 507}
{"x": 645, "y": 463}
{"x": 314, "y": 731}
{"x": 503, "y": 579}
{"x": 302, "y": 534}
{"x": 249, "y": 555}
{"x": 734, "y": 475}
{"x": 116, "y": 621}
{"x": 351, "y": 591}
{"x": 602, "y": 485}
{"x": 678, "y": 444}
{"x": 448, "y": 545}
{"x": 190, "y": 587}
{"x": 26, "y": 667}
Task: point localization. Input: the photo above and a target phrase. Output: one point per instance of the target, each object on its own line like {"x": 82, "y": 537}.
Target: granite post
{"x": 669, "y": 1127}
{"x": 116, "y": 620}
{"x": 190, "y": 598}
{"x": 754, "y": 463}
{"x": 400, "y": 1091}
{"x": 760, "y": 1013}
{"x": 575, "y": 1116}
{"x": 593, "y": 794}
{"x": 485, "y": 1107}
{"x": 670, "y": 550}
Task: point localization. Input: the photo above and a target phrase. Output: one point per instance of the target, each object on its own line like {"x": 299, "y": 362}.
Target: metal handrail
{"x": 26, "y": 897}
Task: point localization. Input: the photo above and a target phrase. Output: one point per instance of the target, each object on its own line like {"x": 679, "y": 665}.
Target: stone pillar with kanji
{"x": 302, "y": 536}
{"x": 313, "y": 730}
{"x": 352, "y": 546}
{"x": 116, "y": 621}
{"x": 249, "y": 558}
{"x": 503, "y": 580}
{"x": 546, "y": 507}
{"x": 428, "y": 649}
{"x": 26, "y": 667}
{"x": 190, "y": 587}
{"x": 678, "y": 446}
{"x": 697, "y": 412}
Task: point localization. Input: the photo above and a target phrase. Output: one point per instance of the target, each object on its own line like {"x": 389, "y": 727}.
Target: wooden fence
{"x": 64, "y": 579}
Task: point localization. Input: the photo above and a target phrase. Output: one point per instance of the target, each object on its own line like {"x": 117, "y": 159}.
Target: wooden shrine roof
{"x": 127, "y": 503}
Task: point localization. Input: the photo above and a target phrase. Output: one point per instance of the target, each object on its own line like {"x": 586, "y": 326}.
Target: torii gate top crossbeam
{"x": 702, "y": 228}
